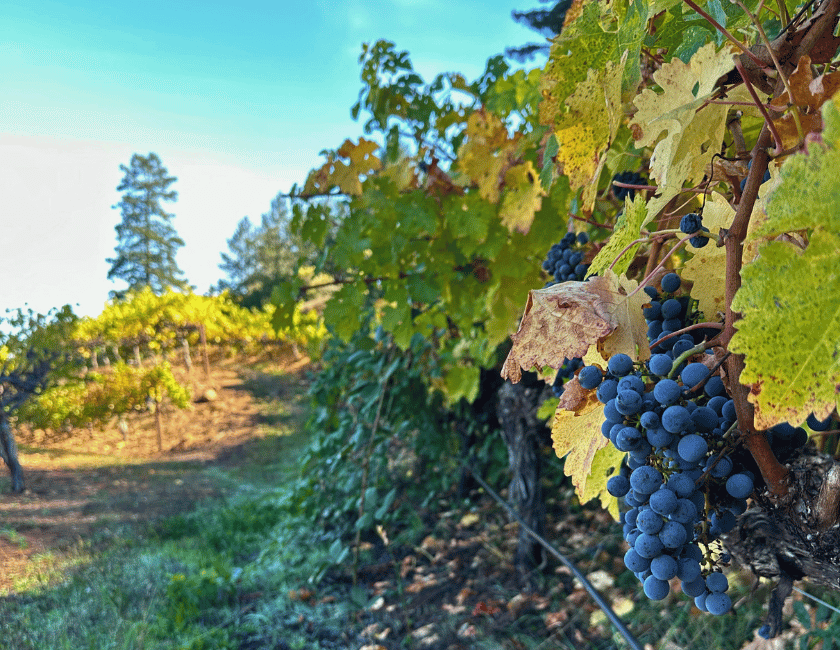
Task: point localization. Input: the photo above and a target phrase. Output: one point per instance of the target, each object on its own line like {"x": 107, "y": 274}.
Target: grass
{"x": 236, "y": 574}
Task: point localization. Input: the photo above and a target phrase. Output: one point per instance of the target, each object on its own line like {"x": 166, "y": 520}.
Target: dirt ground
{"x": 85, "y": 483}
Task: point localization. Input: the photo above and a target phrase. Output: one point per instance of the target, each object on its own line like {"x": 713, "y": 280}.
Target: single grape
{"x": 582, "y": 238}
{"x": 691, "y": 223}
{"x": 718, "y": 604}
{"x": 699, "y": 241}
{"x": 686, "y": 510}
{"x": 649, "y": 522}
{"x": 670, "y": 283}
{"x": 675, "y": 419}
{"x": 648, "y": 546}
{"x": 636, "y": 562}
{"x": 692, "y": 448}
{"x": 681, "y": 484}
{"x": 654, "y": 312}
{"x": 764, "y": 631}
{"x": 631, "y": 382}
{"x": 681, "y": 346}
{"x": 714, "y": 387}
{"x": 607, "y": 390}
{"x": 693, "y": 374}
{"x": 717, "y": 582}
{"x": 618, "y": 486}
{"x": 695, "y": 587}
{"x": 700, "y": 602}
{"x": 620, "y": 365}
{"x": 667, "y": 392}
{"x": 728, "y": 411}
{"x": 663, "y": 501}
{"x": 664, "y": 567}
{"x": 656, "y": 589}
{"x": 590, "y": 377}
{"x": 649, "y": 420}
{"x": 659, "y": 437}
{"x": 660, "y": 364}
{"x": 722, "y": 469}
{"x": 816, "y": 425}
{"x": 628, "y": 439}
{"x": 673, "y": 535}
{"x": 689, "y": 571}
{"x": 739, "y": 486}
{"x": 704, "y": 418}
{"x": 628, "y": 402}
{"x": 671, "y": 308}
{"x": 646, "y": 479}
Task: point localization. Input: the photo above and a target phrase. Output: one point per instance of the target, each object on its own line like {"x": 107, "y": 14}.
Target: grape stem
{"x": 697, "y": 349}
{"x": 648, "y": 277}
{"x": 688, "y": 329}
{"x": 774, "y": 474}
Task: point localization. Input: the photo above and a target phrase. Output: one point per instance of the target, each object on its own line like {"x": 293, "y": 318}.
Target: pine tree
{"x": 548, "y": 22}
{"x": 262, "y": 256}
{"x": 146, "y": 240}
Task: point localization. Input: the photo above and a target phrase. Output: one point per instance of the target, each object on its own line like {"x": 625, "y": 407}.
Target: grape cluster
{"x": 631, "y": 178}
{"x": 565, "y": 259}
{"x": 679, "y": 482}
{"x": 684, "y": 480}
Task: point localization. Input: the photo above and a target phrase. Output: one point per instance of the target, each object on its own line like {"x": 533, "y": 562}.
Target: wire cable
{"x": 596, "y": 596}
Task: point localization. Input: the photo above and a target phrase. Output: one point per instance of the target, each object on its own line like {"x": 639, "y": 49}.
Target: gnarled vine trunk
{"x": 517, "y": 409}
{"x": 9, "y": 453}
{"x": 796, "y": 537}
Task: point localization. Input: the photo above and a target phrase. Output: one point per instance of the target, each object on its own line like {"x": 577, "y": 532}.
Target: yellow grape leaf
{"x": 605, "y": 464}
{"x": 562, "y": 321}
{"x": 630, "y": 337}
{"x": 706, "y": 268}
{"x": 346, "y": 174}
{"x": 523, "y": 197}
{"x": 577, "y": 436}
{"x": 790, "y": 301}
{"x": 671, "y": 120}
{"x": 485, "y": 153}
{"x": 628, "y": 226}
{"x": 587, "y": 129}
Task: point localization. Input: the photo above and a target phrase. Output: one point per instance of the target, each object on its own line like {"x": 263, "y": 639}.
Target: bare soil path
{"x": 85, "y": 484}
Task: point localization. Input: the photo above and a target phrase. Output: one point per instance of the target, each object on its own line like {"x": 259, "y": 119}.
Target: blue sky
{"x": 236, "y": 98}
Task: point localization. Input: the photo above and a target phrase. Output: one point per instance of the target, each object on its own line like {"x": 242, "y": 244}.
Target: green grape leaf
{"x": 343, "y": 312}
{"x": 588, "y": 44}
{"x": 504, "y": 304}
{"x": 809, "y": 193}
{"x": 628, "y": 226}
{"x": 462, "y": 381}
{"x": 790, "y": 301}
{"x": 485, "y": 153}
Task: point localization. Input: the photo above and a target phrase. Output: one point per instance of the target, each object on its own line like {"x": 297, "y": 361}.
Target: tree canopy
{"x": 146, "y": 239}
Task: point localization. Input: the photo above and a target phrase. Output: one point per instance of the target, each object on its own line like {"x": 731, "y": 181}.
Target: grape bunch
{"x": 631, "y": 178}
{"x": 565, "y": 259}
{"x": 679, "y": 482}
{"x": 684, "y": 480}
